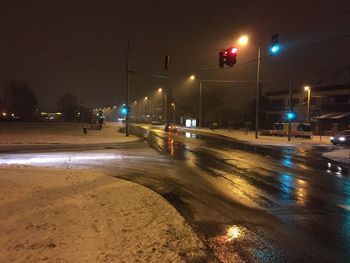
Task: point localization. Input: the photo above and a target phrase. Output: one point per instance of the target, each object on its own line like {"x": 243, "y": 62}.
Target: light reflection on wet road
{"x": 278, "y": 204}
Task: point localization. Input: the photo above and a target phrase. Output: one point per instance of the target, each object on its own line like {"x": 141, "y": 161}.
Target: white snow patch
{"x": 342, "y": 156}
{"x": 58, "y": 215}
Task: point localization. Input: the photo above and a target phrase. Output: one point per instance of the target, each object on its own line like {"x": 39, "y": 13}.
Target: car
{"x": 341, "y": 138}
{"x": 170, "y": 127}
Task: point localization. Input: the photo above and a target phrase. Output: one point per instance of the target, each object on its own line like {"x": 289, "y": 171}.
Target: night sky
{"x": 80, "y": 46}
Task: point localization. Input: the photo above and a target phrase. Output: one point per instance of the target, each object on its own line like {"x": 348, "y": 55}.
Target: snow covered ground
{"x": 266, "y": 140}
{"x": 341, "y": 156}
{"x": 64, "y": 215}
{"x": 59, "y": 133}
{"x": 51, "y": 212}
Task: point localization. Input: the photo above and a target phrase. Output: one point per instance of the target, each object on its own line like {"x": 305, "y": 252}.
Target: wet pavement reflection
{"x": 263, "y": 203}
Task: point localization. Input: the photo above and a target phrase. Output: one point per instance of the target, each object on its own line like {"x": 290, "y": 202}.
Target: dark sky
{"x": 68, "y": 46}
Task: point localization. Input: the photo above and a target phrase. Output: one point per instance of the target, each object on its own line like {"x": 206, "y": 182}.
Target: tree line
{"x": 18, "y": 100}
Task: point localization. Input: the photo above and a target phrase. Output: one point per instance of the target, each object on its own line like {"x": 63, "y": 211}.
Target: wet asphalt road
{"x": 256, "y": 203}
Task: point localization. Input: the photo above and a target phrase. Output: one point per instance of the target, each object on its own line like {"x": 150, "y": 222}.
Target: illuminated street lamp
{"x": 160, "y": 90}
{"x": 150, "y": 105}
{"x": 174, "y": 107}
{"x": 193, "y": 77}
{"x": 308, "y": 89}
{"x": 243, "y": 40}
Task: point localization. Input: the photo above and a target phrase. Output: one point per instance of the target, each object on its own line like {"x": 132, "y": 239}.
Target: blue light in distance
{"x": 275, "y": 49}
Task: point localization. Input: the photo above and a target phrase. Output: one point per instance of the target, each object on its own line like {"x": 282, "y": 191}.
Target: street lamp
{"x": 173, "y": 105}
{"x": 308, "y": 89}
{"x": 160, "y": 90}
{"x": 150, "y": 106}
{"x": 193, "y": 77}
{"x": 138, "y": 104}
{"x": 243, "y": 40}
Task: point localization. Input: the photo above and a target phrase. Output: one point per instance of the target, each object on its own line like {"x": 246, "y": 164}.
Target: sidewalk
{"x": 264, "y": 140}
{"x": 50, "y": 214}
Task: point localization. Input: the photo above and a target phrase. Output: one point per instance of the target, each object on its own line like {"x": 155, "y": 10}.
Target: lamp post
{"x": 160, "y": 90}
{"x": 243, "y": 41}
{"x": 174, "y": 107}
{"x": 193, "y": 77}
{"x": 274, "y": 49}
{"x": 150, "y": 105}
{"x": 308, "y": 89}
{"x": 257, "y": 95}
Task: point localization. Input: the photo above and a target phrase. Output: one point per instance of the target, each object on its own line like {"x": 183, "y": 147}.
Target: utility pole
{"x": 257, "y": 95}
{"x": 128, "y": 71}
{"x": 290, "y": 107}
{"x": 165, "y": 107}
{"x": 200, "y": 105}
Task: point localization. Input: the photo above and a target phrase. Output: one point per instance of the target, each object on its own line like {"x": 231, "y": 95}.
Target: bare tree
{"x": 19, "y": 99}
{"x": 68, "y": 104}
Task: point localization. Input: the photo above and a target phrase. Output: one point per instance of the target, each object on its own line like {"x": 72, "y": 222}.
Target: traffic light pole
{"x": 127, "y": 89}
{"x": 257, "y": 95}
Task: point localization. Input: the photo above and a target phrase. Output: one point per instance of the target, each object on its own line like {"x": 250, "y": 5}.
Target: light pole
{"x": 243, "y": 41}
{"x": 173, "y": 104}
{"x": 193, "y": 77}
{"x": 257, "y": 95}
{"x": 150, "y": 105}
{"x": 308, "y": 89}
{"x": 160, "y": 90}
{"x": 274, "y": 49}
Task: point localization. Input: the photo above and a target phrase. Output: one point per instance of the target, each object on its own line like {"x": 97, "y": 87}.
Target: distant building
{"x": 329, "y": 107}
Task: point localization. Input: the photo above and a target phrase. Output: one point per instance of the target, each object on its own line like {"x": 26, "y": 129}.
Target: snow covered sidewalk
{"x": 341, "y": 156}
{"x": 264, "y": 140}
{"x": 64, "y": 215}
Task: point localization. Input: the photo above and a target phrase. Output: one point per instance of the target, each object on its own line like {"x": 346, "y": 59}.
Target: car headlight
{"x": 342, "y": 139}
{"x": 332, "y": 138}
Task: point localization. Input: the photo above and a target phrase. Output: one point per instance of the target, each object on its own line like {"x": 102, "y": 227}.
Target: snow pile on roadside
{"x": 342, "y": 156}
{"x": 58, "y": 215}
{"x": 59, "y": 132}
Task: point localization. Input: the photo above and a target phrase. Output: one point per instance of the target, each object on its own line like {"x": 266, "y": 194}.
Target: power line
{"x": 253, "y": 60}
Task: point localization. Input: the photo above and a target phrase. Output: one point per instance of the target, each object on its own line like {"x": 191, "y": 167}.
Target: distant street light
{"x": 150, "y": 106}
{"x": 160, "y": 90}
{"x": 174, "y": 107}
{"x": 192, "y": 77}
{"x": 308, "y": 89}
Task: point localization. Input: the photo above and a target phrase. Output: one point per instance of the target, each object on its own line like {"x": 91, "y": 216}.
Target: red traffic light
{"x": 234, "y": 50}
{"x": 228, "y": 57}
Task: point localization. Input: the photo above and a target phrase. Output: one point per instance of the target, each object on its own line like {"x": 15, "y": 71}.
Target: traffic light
{"x": 275, "y": 46}
{"x": 125, "y": 110}
{"x": 228, "y": 57}
{"x": 291, "y": 115}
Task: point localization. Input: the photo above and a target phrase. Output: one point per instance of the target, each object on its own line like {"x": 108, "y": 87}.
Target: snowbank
{"x": 58, "y": 215}
{"x": 264, "y": 140}
{"x": 341, "y": 156}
